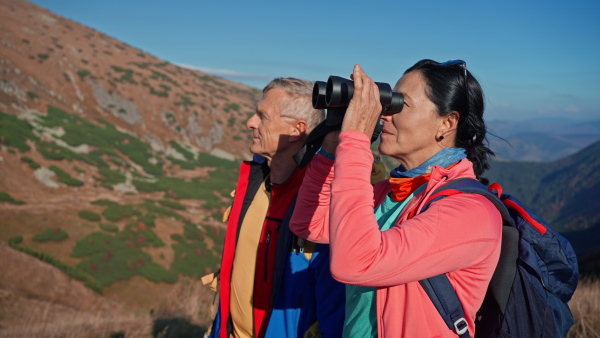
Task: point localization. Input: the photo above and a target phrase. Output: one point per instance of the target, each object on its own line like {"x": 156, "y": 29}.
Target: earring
{"x": 441, "y": 137}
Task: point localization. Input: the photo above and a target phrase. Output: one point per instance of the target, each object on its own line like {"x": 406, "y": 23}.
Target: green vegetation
{"x": 157, "y": 93}
{"x": 142, "y": 65}
{"x": 110, "y": 176}
{"x": 156, "y": 210}
{"x": 185, "y": 101}
{"x": 43, "y": 56}
{"x": 231, "y": 121}
{"x": 15, "y": 132}
{"x": 237, "y": 138}
{"x": 73, "y": 272}
{"x": 126, "y": 77}
{"x": 109, "y": 227}
{"x": 110, "y": 258}
{"x": 32, "y": 164}
{"x": 90, "y": 216}
{"x": 108, "y": 140}
{"x": 172, "y": 204}
{"x": 165, "y": 87}
{"x": 5, "y": 197}
{"x": 55, "y": 234}
{"x": 208, "y": 79}
{"x": 65, "y": 177}
{"x": 186, "y": 153}
{"x": 83, "y": 73}
{"x": 158, "y": 75}
{"x": 32, "y": 95}
{"x": 192, "y": 258}
{"x": 115, "y": 212}
{"x": 232, "y": 106}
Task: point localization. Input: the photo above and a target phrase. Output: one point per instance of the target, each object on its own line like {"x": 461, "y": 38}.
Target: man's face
{"x": 270, "y": 130}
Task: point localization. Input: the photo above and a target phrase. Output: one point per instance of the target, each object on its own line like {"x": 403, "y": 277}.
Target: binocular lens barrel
{"x": 318, "y": 95}
{"x": 338, "y": 92}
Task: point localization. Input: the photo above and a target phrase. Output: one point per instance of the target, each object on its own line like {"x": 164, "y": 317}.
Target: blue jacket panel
{"x": 304, "y": 291}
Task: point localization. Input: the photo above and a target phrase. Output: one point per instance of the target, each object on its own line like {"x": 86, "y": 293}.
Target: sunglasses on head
{"x": 462, "y": 64}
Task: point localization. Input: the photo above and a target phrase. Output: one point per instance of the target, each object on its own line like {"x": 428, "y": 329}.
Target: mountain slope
{"x": 564, "y": 192}
{"x": 116, "y": 166}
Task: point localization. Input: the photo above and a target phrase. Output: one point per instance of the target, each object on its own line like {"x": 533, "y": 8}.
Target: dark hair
{"x": 446, "y": 89}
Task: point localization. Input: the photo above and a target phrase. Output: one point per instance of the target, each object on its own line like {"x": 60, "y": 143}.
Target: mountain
{"x": 563, "y": 192}
{"x": 115, "y": 165}
{"x": 540, "y": 140}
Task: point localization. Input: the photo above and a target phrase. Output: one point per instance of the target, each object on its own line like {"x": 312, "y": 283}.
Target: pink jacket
{"x": 458, "y": 235}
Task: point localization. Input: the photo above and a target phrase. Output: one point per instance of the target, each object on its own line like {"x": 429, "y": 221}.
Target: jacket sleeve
{"x": 454, "y": 233}
{"x": 311, "y": 215}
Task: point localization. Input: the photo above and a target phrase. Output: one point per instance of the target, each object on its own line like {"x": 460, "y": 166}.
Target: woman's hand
{"x": 365, "y": 107}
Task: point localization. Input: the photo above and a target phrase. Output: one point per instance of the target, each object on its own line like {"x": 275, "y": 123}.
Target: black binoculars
{"x": 338, "y": 91}
{"x": 335, "y": 95}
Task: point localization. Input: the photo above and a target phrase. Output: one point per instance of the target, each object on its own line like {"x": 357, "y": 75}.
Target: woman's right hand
{"x": 364, "y": 109}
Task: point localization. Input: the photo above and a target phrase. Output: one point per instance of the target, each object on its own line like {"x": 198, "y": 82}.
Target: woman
{"x": 376, "y": 249}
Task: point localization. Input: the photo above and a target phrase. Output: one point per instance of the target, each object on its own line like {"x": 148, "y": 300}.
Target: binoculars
{"x": 338, "y": 91}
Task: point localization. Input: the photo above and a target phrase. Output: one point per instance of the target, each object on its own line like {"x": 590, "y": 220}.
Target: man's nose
{"x": 251, "y": 123}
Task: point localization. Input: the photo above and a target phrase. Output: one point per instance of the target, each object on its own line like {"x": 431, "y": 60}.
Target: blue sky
{"x": 534, "y": 59}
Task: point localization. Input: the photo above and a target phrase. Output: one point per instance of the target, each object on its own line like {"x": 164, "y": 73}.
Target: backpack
{"x": 536, "y": 275}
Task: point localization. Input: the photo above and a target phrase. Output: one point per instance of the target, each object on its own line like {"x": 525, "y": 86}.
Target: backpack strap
{"x": 438, "y": 288}
{"x": 443, "y": 296}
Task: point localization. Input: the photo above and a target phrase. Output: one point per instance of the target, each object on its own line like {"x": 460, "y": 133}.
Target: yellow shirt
{"x": 244, "y": 263}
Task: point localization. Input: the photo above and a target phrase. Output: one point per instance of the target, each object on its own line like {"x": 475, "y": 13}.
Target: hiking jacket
{"x": 273, "y": 259}
{"x": 458, "y": 235}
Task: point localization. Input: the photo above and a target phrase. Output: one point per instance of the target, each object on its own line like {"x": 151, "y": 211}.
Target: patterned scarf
{"x": 405, "y": 182}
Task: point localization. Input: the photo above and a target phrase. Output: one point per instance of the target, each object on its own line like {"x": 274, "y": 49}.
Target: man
{"x": 266, "y": 271}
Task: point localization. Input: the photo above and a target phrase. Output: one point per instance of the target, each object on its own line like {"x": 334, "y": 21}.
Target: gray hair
{"x": 299, "y": 104}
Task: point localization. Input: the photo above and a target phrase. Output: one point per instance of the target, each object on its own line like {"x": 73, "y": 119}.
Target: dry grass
{"x": 185, "y": 310}
{"x": 585, "y": 306}
{"x": 26, "y": 317}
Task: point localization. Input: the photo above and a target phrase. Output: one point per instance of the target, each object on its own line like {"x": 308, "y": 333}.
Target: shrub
{"x": 231, "y": 121}
{"x": 55, "y": 234}
{"x": 83, "y": 73}
{"x": 15, "y": 132}
{"x": 186, "y": 153}
{"x": 116, "y": 212}
{"x": 5, "y": 197}
{"x": 43, "y": 56}
{"x": 31, "y": 162}
{"x": 109, "y": 227}
{"x": 32, "y": 95}
{"x": 172, "y": 204}
{"x": 15, "y": 240}
{"x": 126, "y": 77}
{"x": 90, "y": 216}
{"x": 186, "y": 101}
{"x": 109, "y": 258}
{"x": 110, "y": 176}
{"x": 65, "y": 178}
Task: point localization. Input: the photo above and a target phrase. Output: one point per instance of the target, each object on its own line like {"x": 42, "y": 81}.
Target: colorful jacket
{"x": 458, "y": 235}
{"x": 273, "y": 260}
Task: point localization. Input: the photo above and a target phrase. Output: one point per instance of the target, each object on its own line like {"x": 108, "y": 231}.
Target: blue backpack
{"x": 536, "y": 275}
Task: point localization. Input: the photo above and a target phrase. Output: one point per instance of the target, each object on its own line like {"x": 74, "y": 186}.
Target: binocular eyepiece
{"x": 338, "y": 91}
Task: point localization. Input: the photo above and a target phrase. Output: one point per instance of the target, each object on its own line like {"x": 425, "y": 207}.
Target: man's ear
{"x": 298, "y": 130}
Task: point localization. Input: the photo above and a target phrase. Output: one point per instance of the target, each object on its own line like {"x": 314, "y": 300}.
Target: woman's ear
{"x": 449, "y": 123}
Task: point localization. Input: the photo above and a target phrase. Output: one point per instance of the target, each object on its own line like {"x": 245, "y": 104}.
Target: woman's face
{"x": 411, "y": 136}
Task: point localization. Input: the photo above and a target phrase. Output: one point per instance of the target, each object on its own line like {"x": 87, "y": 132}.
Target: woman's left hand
{"x": 365, "y": 107}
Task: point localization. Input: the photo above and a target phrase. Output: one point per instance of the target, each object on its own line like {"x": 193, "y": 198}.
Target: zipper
{"x": 268, "y": 240}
